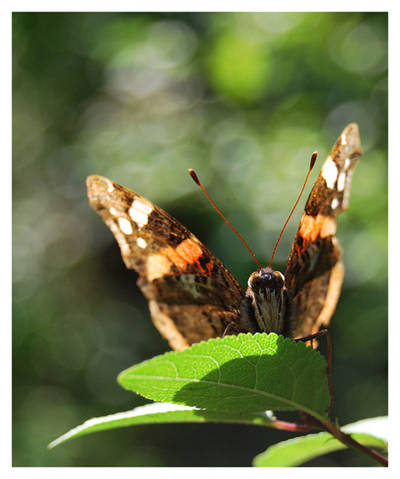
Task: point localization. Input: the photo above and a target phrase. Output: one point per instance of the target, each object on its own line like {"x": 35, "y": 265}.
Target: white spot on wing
{"x": 140, "y": 211}
{"x": 142, "y": 243}
{"x": 347, "y": 163}
{"x": 113, "y": 211}
{"x": 110, "y": 186}
{"x": 125, "y": 226}
{"x": 341, "y": 181}
{"x": 329, "y": 172}
{"x": 343, "y": 139}
{"x": 335, "y": 203}
{"x": 121, "y": 238}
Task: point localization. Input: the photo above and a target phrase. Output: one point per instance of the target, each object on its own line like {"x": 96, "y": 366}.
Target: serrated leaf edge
{"x": 254, "y": 338}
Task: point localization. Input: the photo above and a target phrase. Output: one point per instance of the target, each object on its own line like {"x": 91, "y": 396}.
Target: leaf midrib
{"x": 242, "y": 388}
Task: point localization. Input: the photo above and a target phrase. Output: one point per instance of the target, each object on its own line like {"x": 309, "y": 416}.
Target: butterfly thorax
{"x": 266, "y": 305}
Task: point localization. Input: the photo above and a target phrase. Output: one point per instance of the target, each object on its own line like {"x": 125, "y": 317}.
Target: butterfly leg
{"x": 324, "y": 332}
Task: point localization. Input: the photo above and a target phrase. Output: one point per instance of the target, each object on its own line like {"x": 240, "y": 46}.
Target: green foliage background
{"x": 243, "y": 98}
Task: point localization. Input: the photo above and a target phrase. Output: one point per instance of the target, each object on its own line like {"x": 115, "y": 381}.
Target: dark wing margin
{"x": 314, "y": 273}
{"x": 192, "y": 296}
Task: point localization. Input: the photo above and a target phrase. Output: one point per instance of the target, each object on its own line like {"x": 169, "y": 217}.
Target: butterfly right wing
{"x": 314, "y": 272}
{"x": 192, "y": 296}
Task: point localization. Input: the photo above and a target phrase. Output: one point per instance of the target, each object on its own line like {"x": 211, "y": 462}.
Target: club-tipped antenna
{"x": 312, "y": 163}
{"x": 197, "y": 181}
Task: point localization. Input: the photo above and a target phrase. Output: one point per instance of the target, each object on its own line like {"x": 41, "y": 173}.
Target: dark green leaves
{"x": 245, "y": 373}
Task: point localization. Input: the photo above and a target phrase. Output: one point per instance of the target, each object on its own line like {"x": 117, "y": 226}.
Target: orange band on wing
{"x": 186, "y": 254}
{"x": 321, "y": 225}
{"x": 174, "y": 257}
{"x": 209, "y": 267}
{"x": 189, "y": 250}
{"x": 311, "y": 228}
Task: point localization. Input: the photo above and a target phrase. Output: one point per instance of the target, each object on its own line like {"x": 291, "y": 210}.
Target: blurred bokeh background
{"x": 244, "y": 99}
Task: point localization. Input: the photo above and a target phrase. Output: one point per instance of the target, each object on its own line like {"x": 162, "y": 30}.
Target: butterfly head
{"x": 266, "y": 279}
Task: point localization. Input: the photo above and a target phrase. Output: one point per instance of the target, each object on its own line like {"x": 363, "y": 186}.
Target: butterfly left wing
{"x": 314, "y": 272}
{"x": 192, "y": 296}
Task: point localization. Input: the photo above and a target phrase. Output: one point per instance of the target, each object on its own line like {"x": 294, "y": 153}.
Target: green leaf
{"x": 302, "y": 449}
{"x": 158, "y": 413}
{"x": 244, "y": 373}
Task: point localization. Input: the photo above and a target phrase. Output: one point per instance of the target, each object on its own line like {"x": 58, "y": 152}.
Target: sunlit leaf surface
{"x": 249, "y": 372}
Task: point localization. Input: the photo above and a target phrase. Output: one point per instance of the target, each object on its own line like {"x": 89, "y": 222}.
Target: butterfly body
{"x": 266, "y": 306}
{"x": 193, "y": 296}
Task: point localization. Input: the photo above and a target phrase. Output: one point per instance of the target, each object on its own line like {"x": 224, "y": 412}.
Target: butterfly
{"x": 193, "y": 297}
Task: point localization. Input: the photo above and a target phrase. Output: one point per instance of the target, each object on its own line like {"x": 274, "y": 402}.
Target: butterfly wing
{"x": 192, "y": 296}
{"x": 314, "y": 272}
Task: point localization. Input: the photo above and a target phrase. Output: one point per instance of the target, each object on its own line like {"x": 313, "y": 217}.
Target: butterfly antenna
{"x": 312, "y": 163}
{"x": 197, "y": 181}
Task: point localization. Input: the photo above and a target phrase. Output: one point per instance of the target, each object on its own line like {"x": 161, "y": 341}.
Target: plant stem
{"x": 313, "y": 423}
{"x": 291, "y": 426}
{"x": 349, "y": 441}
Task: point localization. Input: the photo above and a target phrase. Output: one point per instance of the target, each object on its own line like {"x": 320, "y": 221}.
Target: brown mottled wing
{"x": 192, "y": 296}
{"x": 314, "y": 272}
